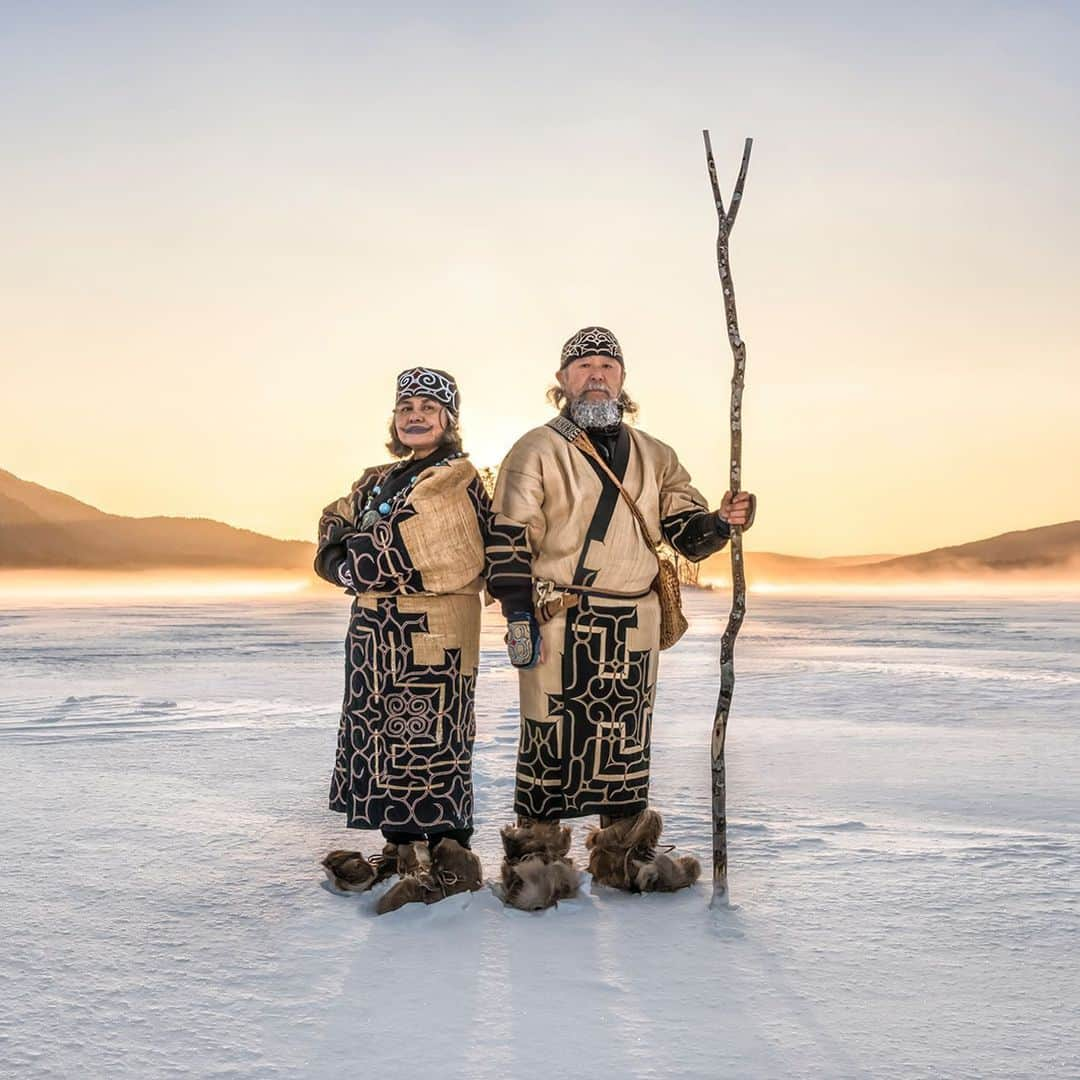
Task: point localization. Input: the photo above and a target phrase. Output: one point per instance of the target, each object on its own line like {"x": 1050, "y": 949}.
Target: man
{"x": 573, "y": 572}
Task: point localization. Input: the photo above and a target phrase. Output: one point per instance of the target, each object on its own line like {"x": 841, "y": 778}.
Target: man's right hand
{"x": 523, "y": 639}
{"x": 738, "y": 509}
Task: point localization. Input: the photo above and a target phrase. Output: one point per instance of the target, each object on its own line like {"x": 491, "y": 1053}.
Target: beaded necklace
{"x": 372, "y": 513}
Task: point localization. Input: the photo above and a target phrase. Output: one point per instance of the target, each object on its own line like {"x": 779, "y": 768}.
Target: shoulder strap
{"x": 576, "y": 436}
{"x": 565, "y": 427}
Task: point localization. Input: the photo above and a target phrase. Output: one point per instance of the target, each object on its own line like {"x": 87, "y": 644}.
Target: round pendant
{"x": 369, "y": 518}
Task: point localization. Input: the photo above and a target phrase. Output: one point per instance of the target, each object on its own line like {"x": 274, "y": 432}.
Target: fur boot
{"x": 351, "y": 872}
{"x": 457, "y": 869}
{"x": 537, "y": 872}
{"x": 624, "y": 855}
{"x": 385, "y": 863}
{"x": 417, "y": 882}
{"x": 429, "y": 876}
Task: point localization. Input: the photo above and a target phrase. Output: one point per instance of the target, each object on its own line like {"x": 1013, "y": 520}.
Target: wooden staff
{"x": 738, "y": 576}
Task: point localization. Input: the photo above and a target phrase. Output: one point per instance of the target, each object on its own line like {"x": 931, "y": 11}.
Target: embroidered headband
{"x": 591, "y": 341}
{"x": 430, "y": 383}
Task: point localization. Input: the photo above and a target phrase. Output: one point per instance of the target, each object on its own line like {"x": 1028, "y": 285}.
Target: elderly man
{"x": 573, "y": 572}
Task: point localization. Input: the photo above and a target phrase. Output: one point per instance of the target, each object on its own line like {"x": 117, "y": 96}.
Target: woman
{"x": 407, "y": 544}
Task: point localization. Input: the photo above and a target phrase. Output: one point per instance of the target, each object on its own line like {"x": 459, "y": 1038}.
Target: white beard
{"x": 592, "y": 415}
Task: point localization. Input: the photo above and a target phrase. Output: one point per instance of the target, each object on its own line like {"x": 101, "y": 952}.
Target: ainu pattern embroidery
{"x": 590, "y": 754}
{"x": 432, "y": 383}
{"x": 376, "y": 559}
{"x": 509, "y": 560}
{"x": 586, "y": 749}
{"x": 404, "y": 750}
{"x": 693, "y": 533}
{"x": 404, "y": 753}
{"x": 591, "y": 341}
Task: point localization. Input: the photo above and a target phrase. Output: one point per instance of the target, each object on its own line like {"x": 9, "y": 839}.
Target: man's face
{"x": 420, "y": 424}
{"x": 592, "y": 378}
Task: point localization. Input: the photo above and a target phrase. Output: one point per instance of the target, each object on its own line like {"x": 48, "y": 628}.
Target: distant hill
{"x": 20, "y": 497}
{"x": 1044, "y": 551}
{"x": 1049, "y": 548}
{"x": 44, "y": 529}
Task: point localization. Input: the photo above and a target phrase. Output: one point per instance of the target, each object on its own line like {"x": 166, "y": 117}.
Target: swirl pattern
{"x": 432, "y": 383}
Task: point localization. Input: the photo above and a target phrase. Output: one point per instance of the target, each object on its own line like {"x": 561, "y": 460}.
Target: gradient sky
{"x": 226, "y": 227}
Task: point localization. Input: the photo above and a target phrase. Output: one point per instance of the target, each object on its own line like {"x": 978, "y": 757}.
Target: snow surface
{"x": 903, "y": 789}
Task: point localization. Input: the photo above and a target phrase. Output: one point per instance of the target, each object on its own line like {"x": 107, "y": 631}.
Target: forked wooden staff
{"x": 738, "y": 577}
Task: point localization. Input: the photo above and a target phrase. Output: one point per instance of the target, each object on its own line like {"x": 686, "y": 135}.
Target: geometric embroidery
{"x": 404, "y": 754}
{"x": 590, "y": 754}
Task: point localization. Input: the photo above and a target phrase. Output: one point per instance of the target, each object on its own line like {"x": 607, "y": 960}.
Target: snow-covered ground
{"x": 904, "y": 787}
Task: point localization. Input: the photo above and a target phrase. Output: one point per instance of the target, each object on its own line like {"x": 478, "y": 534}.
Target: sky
{"x": 225, "y": 228}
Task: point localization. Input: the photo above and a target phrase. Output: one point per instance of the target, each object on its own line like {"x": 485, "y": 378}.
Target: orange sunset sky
{"x": 227, "y": 228}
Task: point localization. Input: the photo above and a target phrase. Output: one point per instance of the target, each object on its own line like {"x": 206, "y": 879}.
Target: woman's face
{"x": 420, "y": 424}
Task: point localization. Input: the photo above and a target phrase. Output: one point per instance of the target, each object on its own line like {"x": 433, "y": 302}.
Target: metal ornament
{"x": 372, "y": 513}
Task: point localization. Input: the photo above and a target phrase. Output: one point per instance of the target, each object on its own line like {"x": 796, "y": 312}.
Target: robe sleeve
{"x": 365, "y": 560}
{"x": 686, "y": 522}
{"x": 337, "y": 522}
{"x": 515, "y": 530}
{"x": 481, "y": 503}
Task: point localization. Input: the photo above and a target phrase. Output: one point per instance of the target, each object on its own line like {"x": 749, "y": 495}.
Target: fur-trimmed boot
{"x": 624, "y": 855}
{"x": 457, "y": 868}
{"x": 350, "y": 871}
{"x": 537, "y": 872}
{"x": 385, "y": 863}
{"x": 430, "y": 876}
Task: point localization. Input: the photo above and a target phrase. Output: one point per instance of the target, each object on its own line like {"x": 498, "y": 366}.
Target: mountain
{"x": 1044, "y": 551}
{"x": 1049, "y": 548}
{"x": 41, "y": 503}
{"x": 44, "y": 529}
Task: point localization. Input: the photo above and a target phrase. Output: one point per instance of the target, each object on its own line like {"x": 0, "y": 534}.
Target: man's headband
{"x": 591, "y": 341}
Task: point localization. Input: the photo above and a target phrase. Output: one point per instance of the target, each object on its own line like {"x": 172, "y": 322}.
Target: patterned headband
{"x": 430, "y": 383}
{"x": 591, "y": 341}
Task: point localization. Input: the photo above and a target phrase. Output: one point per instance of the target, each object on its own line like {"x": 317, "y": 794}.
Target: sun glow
{"x": 44, "y": 587}
{"x": 975, "y": 589}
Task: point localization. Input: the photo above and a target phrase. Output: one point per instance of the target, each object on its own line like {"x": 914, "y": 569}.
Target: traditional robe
{"x": 404, "y": 752}
{"x": 586, "y": 710}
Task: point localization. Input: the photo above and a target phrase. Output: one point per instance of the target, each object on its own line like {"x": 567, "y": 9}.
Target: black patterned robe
{"x": 586, "y": 710}
{"x": 404, "y": 753}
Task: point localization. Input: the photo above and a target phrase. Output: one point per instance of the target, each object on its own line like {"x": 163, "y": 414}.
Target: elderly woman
{"x": 407, "y": 543}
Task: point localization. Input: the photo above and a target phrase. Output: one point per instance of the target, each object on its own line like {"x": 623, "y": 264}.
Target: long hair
{"x": 451, "y": 437}
{"x": 557, "y": 396}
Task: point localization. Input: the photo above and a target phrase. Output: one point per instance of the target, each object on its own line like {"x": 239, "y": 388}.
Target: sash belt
{"x": 552, "y": 598}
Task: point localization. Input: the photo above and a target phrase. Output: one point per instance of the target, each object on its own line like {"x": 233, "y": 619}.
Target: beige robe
{"x": 586, "y": 710}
